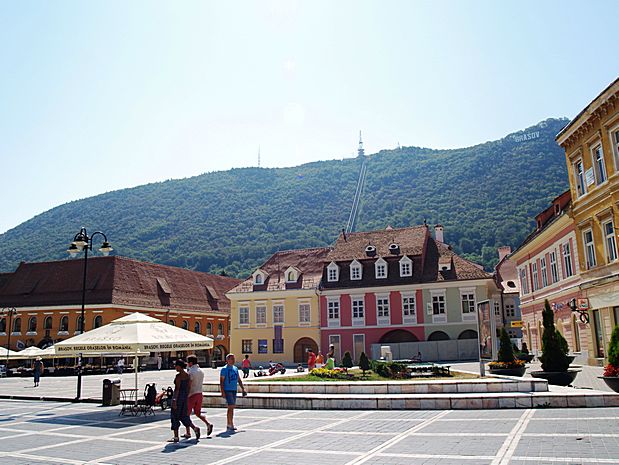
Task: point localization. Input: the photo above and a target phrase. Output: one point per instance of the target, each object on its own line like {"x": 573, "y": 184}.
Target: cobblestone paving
{"x": 39, "y": 433}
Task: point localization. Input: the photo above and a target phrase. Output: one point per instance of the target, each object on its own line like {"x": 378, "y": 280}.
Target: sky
{"x": 99, "y": 96}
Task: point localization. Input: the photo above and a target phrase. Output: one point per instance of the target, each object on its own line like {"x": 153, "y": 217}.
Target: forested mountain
{"x": 485, "y": 196}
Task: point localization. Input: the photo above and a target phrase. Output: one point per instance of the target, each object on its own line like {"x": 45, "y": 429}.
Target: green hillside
{"x": 485, "y": 196}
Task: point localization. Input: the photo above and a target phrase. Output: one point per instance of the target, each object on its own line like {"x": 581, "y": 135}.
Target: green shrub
{"x": 364, "y": 363}
{"x": 554, "y": 357}
{"x": 393, "y": 370}
{"x": 326, "y": 373}
{"x": 506, "y": 351}
{"x": 613, "y": 348}
{"x": 563, "y": 343}
{"x": 347, "y": 361}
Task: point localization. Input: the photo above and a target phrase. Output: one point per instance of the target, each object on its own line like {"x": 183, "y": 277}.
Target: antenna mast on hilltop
{"x": 258, "y": 156}
{"x": 360, "y": 150}
{"x": 350, "y": 226}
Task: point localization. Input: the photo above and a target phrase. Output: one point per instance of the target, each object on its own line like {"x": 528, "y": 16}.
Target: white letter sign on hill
{"x": 525, "y": 137}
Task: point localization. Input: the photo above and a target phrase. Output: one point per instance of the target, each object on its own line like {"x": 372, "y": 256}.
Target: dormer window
{"x": 355, "y": 271}
{"x": 292, "y": 275}
{"x": 394, "y": 249}
{"x": 380, "y": 268}
{"x": 370, "y": 250}
{"x": 259, "y": 277}
{"x": 333, "y": 272}
{"x": 406, "y": 267}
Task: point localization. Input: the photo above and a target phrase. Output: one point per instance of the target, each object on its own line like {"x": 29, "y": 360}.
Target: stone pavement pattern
{"x": 37, "y": 433}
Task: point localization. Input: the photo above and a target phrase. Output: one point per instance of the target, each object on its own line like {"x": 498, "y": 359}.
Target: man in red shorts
{"x": 194, "y": 402}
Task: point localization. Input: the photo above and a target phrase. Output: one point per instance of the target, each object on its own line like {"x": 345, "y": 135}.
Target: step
{"x": 555, "y": 398}
{"x": 502, "y": 384}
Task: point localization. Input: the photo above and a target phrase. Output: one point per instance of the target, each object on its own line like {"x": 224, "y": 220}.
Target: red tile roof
{"x": 308, "y": 261}
{"x": 116, "y": 280}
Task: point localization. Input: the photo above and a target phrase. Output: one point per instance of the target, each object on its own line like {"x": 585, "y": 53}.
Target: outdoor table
{"x": 128, "y": 401}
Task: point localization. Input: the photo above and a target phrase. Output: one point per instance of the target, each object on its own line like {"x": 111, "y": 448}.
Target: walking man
{"x": 159, "y": 362}
{"x": 229, "y": 382}
{"x": 179, "y": 411}
{"x": 194, "y": 403}
{"x": 37, "y": 369}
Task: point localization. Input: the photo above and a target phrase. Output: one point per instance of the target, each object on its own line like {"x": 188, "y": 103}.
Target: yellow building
{"x": 591, "y": 143}
{"x": 275, "y": 313}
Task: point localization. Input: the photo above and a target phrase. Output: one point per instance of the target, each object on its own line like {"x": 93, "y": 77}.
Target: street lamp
{"x": 11, "y": 311}
{"x": 82, "y": 242}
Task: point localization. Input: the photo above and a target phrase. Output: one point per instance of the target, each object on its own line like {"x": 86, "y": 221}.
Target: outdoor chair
{"x": 145, "y": 405}
{"x": 2, "y": 371}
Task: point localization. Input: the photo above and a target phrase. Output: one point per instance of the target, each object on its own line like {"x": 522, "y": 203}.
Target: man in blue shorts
{"x": 228, "y": 380}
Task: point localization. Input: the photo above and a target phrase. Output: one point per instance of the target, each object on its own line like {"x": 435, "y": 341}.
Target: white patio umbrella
{"x": 28, "y": 353}
{"x": 4, "y": 352}
{"x": 135, "y": 334}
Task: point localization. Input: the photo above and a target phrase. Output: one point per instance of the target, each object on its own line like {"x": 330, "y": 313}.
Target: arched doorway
{"x": 468, "y": 334}
{"x": 398, "y": 335}
{"x": 438, "y": 336}
{"x": 301, "y": 347}
{"x": 219, "y": 353}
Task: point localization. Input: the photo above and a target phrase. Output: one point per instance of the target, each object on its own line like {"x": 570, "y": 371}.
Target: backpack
{"x": 151, "y": 394}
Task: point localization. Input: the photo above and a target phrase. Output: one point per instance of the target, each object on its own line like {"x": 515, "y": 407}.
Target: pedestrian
{"x": 196, "y": 379}
{"x": 179, "y": 411}
{"x": 37, "y": 369}
{"x": 311, "y": 360}
{"x": 246, "y": 365}
{"x": 120, "y": 366}
{"x": 331, "y": 353}
{"x": 159, "y": 362}
{"x": 229, "y": 382}
{"x": 320, "y": 360}
{"x": 330, "y": 365}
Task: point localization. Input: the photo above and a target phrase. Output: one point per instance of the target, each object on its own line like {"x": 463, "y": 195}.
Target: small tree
{"x": 347, "y": 361}
{"x": 554, "y": 357}
{"x": 613, "y": 348}
{"x": 506, "y": 351}
{"x": 563, "y": 343}
{"x": 525, "y": 349}
{"x": 364, "y": 363}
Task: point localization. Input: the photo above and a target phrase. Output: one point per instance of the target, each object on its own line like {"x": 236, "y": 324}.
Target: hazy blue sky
{"x": 96, "y": 96}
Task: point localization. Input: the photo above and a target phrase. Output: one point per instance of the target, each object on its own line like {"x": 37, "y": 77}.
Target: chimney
{"x": 504, "y": 251}
{"x": 438, "y": 233}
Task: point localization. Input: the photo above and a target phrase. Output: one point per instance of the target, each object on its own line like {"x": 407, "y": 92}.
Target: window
{"x": 409, "y": 316}
{"x": 380, "y": 268}
{"x": 209, "y": 329}
{"x": 406, "y": 267}
{"x": 185, "y": 324}
{"x": 243, "y": 315}
{"x": 196, "y": 327}
{"x": 598, "y": 163}
{"x": 534, "y": 275}
{"x": 305, "y": 313}
{"x": 291, "y": 275}
{"x": 554, "y": 272}
{"x": 543, "y": 271}
{"x": 579, "y": 173}
{"x": 468, "y": 302}
{"x": 263, "y": 347}
{"x": 589, "y": 248}
{"x": 278, "y": 346}
{"x": 567, "y": 260}
{"x": 524, "y": 284}
{"x": 64, "y": 324}
{"x": 510, "y": 310}
{"x": 333, "y": 312}
{"x": 358, "y": 311}
{"x": 258, "y": 279}
{"x": 334, "y": 340}
{"x": 17, "y": 325}
{"x": 438, "y": 304}
{"x": 79, "y": 324}
{"x": 3, "y": 325}
{"x": 220, "y": 329}
{"x": 278, "y": 313}
{"x": 261, "y": 315}
{"x": 497, "y": 309}
{"x": 382, "y": 309}
{"x": 333, "y": 272}
{"x": 170, "y": 322}
{"x": 355, "y": 270}
{"x": 97, "y": 323}
{"x": 32, "y": 324}
{"x": 246, "y": 346}
{"x": 358, "y": 345}
{"x": 609, "y": 241}
{"x": 614, "y": 140}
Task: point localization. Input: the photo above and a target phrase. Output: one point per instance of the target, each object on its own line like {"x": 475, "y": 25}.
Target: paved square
{"x": 46, "y": 433}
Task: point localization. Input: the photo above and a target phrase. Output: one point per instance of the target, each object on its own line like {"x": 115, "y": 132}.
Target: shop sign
{"x": 517, "y": 324}
{"x": 582, "y": 303}
{"x": 557, "y": 306}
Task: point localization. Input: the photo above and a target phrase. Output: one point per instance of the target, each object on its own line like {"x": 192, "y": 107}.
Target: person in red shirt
{"x": 246, "y": 365}
{"x": 311, "y": 360}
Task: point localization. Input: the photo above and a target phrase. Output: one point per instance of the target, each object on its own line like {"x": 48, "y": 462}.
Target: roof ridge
{"x": 386, "y": 230}
{"x": 302, "y": 250}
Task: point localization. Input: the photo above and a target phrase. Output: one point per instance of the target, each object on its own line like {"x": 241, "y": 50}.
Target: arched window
{"x": 79, "y": 324}
{"x": 438, "y": 336}
{"x": 47, "y": 324}
{"x": 98, "y": 322}
{"x": 3, "y": 325}
{"x": 220, "y": 328}
{"x": 291, "y": 276}
{"x": 185, "y": 324}
{"x": 196, "y": 327}
{"x": 171, "y": 322}
{"x": 17, "y": 325}
{"x": 32, "y": 324}
{"x": 209, "y": 328}
{"x": 64, "y": 323}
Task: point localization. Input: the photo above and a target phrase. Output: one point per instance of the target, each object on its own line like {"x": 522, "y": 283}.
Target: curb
{"x": 50, "y": 399}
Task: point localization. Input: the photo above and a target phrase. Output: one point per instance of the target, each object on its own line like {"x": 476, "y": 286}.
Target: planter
{"x": 519, "y": 371}
{"x": 611, "y": 381}
{"x": 571, "y": 358}
{"x": 557, "y": 378}
{"x": 526, "y": 357}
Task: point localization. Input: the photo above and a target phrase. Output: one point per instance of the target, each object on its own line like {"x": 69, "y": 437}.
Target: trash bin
{"x": 111, "y": 392}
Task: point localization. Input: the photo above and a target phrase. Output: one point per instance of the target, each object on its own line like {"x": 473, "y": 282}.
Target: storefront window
{"x": 597, "y": 328}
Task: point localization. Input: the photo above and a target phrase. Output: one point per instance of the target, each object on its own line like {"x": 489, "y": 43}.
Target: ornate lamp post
{"x": 82, "y": 242}
{"x": 11, "y": 311}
